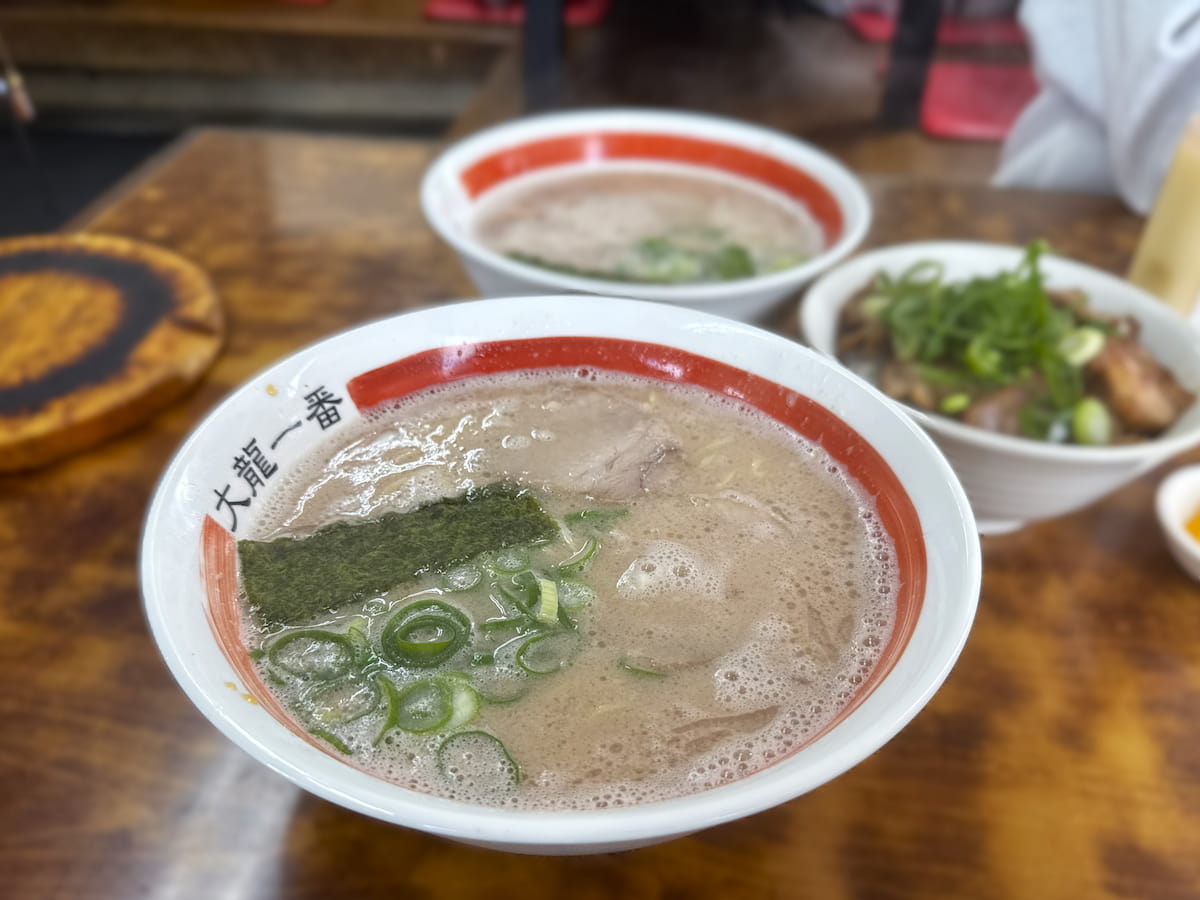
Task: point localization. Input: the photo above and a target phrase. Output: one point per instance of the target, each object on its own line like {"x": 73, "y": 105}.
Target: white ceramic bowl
{"x": 466, "y": 171}
{"x": 188, "y": 558}
{"x": 1176, "y": 501}
{"x": 1013, "y": 480}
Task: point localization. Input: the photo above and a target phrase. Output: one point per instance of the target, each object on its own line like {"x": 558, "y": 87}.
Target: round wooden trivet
{"x": 97, "y": 333}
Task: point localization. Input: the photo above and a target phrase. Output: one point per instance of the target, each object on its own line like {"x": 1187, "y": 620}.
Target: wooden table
{"x": 1061, "y": 758}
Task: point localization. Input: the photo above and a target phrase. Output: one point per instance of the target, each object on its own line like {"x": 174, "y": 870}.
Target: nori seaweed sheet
{"x": 291, "y": 580}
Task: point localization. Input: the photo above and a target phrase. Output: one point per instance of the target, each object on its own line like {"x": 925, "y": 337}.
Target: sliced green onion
{"x": 642, "y": 668}
{"x": 464, "y": 703}
{"x": 392, "y": 694}
{"x": 598, "y": 520}
{"x": 338, "y": 744}
{"x": 420, "y": 706}
{"x": 548, "y": 604}
{"x": 476, "y": 754}
{"x": 340, "y": 702}
{"x": 663, "y": 261}
{"x": 784, "y": 259}
{"x": 1091, "y": 422}
{"x": 732, "y": 261}
{"x": 983, "y": 359}
{"x": 425, "y": 634}
{"x": 543, "y": 654}
{"x": 511, "y": 561}
{"x": 358, "y": 632}
{"x": 499, "y": 687}
{"x": 521, "y": 592}
{"x": 874, "y": 306}
{"x": 577, "y": 561}
{"x": 313, "y": 653}
{"x": 1079, "y": 346}
{"x": 461, "y": 578}
{"x": 954, "y": 403}
{"x": 423, "y": 640}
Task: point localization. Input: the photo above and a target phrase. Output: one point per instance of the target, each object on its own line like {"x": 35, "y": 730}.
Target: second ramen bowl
{"x": 793, "y": 172}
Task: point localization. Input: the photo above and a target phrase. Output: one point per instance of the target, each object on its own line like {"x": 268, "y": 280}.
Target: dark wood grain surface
{"x": 1060, "y": 759}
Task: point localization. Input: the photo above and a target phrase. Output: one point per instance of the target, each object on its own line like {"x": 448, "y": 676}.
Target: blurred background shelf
{"x": 127, "y": 65}
{"x": 114, "y": 80}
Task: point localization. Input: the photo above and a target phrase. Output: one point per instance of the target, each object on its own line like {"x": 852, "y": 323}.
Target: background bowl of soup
{"x": 1012, "y": 480}
{"x": 680, "y": 208}
{"x": 756, "y": 571}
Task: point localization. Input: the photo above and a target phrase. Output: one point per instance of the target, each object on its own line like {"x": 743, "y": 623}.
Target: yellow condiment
{"x": 1193, "y": 525}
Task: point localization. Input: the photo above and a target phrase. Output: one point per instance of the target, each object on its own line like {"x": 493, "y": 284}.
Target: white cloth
{"x": 1119, "y": 79}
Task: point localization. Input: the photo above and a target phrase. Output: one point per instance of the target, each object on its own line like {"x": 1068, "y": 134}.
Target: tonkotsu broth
{"x": 750, "y": 575}
{"x": 593, "y": 219}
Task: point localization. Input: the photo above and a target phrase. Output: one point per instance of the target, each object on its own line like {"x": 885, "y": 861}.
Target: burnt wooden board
{"x": 96, "y": 334}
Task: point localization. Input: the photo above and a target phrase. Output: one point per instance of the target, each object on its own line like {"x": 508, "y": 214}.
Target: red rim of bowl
{"x": 502, "y": 165}
{"x": 894, "y": 508}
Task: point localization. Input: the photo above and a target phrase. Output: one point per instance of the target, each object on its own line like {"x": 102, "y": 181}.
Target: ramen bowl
{"x": 476, "y": 171}
{"x": 201, "y": 507}
{"x": 1013, "y": 480}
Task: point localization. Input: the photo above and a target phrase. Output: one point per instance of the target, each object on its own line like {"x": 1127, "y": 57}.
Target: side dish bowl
{"x": 1013, "y": 480}
{"x": 189, "y": 565}
{"x": 466, "y": 172}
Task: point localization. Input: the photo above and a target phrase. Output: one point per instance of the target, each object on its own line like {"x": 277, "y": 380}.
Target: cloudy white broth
{"x": 647, "y": 223}
{"x": 677, "y": 590}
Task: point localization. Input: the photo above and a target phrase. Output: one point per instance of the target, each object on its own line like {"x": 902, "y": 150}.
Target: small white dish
{"x": 1176, "y": 501}
{"x": 1013, "y": 480}
{"x": 797, "y": 172}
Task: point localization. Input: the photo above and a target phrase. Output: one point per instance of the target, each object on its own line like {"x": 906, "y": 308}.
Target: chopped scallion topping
{"x": 470, "y": 754}
{"x": 341, "y": 702}
{"x": 399, "y": 669}
{"x": 328, "y": 736}
{"x": 577, "y": 561}
{"x": 1091, "y": 422}
{"x": 642, "y": 668}
{"x": 313, "y": 653}
{"x": 425, "y": 634}
{"x": 461, "y": 578}
{"x": 548, "y": 605}
{"x": 423, "y": 705}
{"x": 543, "y": 654}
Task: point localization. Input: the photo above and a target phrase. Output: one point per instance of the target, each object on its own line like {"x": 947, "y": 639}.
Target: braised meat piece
{"x": 901, "y": 381}
{"x": 860, "y": 333}
{"x": 1000, "y": 410}
{"x": 604, "y": 447}
{"x": 1142, "y": 393}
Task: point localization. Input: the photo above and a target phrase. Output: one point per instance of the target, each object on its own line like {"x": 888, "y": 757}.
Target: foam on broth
{"x": 749, "y": 570}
